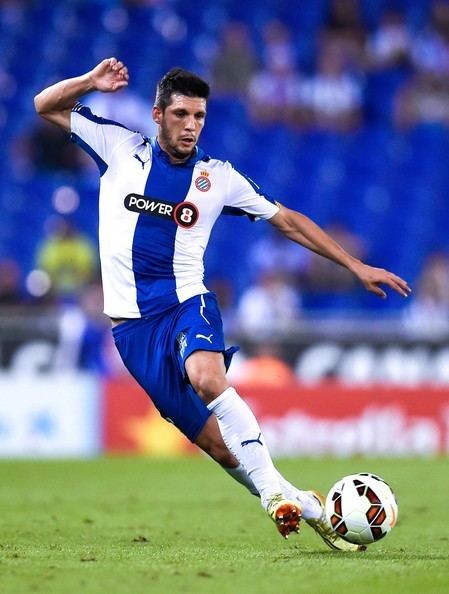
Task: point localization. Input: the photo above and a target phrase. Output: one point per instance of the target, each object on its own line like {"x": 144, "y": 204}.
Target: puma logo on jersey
{"x": 208, "y": 338}
{"x": 184, "y": 214}
{"x": 141, "y": 161}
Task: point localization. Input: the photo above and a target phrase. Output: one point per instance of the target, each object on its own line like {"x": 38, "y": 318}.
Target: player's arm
{"x": 304, "y": 231}
{"x": 56, "y": 102}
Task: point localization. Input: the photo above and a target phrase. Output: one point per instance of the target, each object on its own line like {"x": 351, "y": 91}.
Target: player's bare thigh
{"x": 207, "y": 374}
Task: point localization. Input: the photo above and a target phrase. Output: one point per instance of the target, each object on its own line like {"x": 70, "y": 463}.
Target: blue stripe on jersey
{"x": 255, "y": 187}
{"x": 154, "y": 238}
{"x": 102, "y": 165}
{"x": 237, "y": 212}
{"x": 86, "y": 112}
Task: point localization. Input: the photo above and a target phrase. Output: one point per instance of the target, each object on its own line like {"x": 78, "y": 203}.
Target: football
{"x": 361, "y": 508}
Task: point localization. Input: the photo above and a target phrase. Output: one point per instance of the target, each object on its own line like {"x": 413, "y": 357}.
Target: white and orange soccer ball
{"x": 361, "y": 508}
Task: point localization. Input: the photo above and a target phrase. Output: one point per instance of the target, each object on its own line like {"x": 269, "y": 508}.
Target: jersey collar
{"x": 198, "y": 155}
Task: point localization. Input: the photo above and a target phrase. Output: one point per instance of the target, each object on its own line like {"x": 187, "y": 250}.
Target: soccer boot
{"x": 324, "y": 529}
{"x": 285, "y": 514}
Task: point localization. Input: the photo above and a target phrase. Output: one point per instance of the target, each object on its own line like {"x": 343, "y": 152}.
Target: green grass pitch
{"x": 136, "y": 526}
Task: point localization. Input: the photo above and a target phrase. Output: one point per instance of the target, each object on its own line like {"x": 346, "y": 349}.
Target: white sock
{"x": 240, "y": 475}
{"x": 310, "y": 507}
{"x": 241, "y": 434}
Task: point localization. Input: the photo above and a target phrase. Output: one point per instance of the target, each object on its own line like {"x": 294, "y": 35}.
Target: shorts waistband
{"x": 127, "y": 327}
{"x": 132, "y": 324}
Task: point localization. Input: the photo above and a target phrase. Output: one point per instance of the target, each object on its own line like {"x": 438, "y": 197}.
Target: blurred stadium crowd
{"x": 338, "y": 108}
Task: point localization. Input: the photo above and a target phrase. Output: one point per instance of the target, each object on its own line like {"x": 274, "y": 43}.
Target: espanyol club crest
{"x": 202, "y": 182}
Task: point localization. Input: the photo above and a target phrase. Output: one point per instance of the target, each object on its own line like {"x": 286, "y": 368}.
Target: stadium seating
{"x": 383, "y": 185}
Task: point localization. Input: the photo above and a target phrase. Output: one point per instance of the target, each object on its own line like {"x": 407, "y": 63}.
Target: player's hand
{"x": 371, "y": 278}
{"x": 109, "y": 76}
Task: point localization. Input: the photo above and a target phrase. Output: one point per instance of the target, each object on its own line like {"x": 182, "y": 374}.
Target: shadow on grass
{"x": 368, "y": 555}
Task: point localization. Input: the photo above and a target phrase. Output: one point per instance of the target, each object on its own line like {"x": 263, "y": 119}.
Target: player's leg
{"x": 242, "y": 435}
{"x": 239, "y": 428}
{"x": 210, "y": 440}
{"x": 203, "y": 360}
{"x": 161, "y": 378}
{"x": 311, "y": 502}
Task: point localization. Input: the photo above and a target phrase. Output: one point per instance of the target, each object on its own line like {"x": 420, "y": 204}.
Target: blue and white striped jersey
{"x": 156, "y": 217}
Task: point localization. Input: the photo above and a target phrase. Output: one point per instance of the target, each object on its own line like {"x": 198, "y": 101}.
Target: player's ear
{"x": 157, "y": 114}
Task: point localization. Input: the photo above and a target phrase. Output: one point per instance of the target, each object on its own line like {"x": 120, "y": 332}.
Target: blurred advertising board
{"x": 336, "y": 420}
{"x": 133, "y": 425}
{"x": 354, "y": 351}
{"x": 353, "y": 388}
{"x": 365, "y": 361}
{"x": 29, "y": 339}
{"x": 49, "y": 415}
{"x": 325, "y": 419}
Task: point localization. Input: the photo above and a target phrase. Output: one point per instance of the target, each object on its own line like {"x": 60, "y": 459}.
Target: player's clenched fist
{"x": 109, "y": 76}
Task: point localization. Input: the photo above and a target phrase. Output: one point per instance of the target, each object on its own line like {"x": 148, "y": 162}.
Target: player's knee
{"x": 207, "y": 374}
{"x": 207, "y": 385}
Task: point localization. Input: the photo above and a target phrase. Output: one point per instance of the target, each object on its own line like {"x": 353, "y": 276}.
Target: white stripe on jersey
{"x": 202, "y": 308}
{"x": 116, "y": 235}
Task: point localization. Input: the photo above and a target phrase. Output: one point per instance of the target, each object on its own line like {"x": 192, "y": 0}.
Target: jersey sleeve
{"x": 245, "y": 197}
{"x": 98, "y": 136}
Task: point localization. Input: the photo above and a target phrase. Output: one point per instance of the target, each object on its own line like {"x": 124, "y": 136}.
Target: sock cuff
{"x": 228, "y": 393}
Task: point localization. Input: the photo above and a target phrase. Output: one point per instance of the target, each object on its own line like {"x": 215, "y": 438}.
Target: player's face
{"x": 180, "y": 125}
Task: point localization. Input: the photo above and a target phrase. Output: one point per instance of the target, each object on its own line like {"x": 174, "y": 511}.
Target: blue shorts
{"x": 154, "y": 350}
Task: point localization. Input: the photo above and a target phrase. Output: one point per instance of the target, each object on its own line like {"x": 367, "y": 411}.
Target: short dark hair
{"x": 178, "y": 80}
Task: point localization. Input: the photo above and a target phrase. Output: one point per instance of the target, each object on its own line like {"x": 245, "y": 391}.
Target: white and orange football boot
{"x": 285, "y": 514}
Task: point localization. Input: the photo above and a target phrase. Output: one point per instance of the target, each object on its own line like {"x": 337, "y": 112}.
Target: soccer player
{"x": 159, "y": 199}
